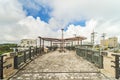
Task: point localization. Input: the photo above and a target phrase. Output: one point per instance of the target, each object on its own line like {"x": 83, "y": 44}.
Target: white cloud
{"x": 104, "y": 12}
{"x": 81, "y": 31}
{"x": 12, "y": 33}
{"x": 10, "y": 11}
{"x": 36, "y": 27}
{"x": 30, "y": 4}
{"x": 103, "y": 15}
{"x": 76, "y": 10}
{"x": 110, "y": 27}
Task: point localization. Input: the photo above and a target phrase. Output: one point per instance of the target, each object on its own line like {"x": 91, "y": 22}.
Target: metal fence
{"x": 17, "y": 60}
{"x": 24, "y": 56}
{"x": 91, "y": 55}
{"x": 70, "y": 47}
{"x": 116, "y": 65}
{"x": 53, "y": 48}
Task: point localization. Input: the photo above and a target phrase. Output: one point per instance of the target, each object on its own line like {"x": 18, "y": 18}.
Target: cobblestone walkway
{"x": 59, "y": 66}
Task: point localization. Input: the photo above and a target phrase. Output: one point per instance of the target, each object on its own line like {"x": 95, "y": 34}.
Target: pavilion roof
{"x": 75, "y": 38}
{"x": 50, "y": 39}
{"x": 65, "y": 39}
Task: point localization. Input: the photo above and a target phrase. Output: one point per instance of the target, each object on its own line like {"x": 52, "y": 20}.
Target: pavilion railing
{"x": 116, "y": 65}
{"x": 91, "y": 55}
{"x": 70, "y": 47}
{"x": 53, "y": 48}
{"x": 17, "y": 60}
{"x": 24, "y": 56}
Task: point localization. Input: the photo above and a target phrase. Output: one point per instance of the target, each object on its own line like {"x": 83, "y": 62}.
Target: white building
{"x": 28, "y": 43}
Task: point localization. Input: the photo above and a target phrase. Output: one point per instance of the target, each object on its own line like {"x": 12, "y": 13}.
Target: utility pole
{"x": 75, "y": 37}
{"x": 62, "y": 40}
{"x": 36, "y": 42}
{"x": 114, "y": 43}
{"x": 93, "y": 37}
{"x": 103, "y": 36}
{"x": 40, "y": 45}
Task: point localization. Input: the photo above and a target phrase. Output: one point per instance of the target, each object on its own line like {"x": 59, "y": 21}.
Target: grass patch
{"x": 5, "y": 48}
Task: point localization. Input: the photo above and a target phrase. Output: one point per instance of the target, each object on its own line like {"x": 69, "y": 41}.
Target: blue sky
{"x": 44, "y": 13}
{"x": 37, "y": 11}
{"x": 75, "y": 16}
{"x": 81, "y": 23}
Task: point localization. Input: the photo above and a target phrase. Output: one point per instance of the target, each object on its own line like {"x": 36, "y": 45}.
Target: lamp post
{"x": 114, "y": 44}
{"x": 36, "y": 43}
{"x": 62, "y": 40}
{"x": 93, "y": 38}
{"x": 75, "y": 37}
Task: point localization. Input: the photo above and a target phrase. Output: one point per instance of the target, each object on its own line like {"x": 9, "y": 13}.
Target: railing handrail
{"x": 91, "y": 55}
{"x": 3, "y": 55}
{"x": 116, "y": 55}
{"x": 116, "y": 65}
{"x": 26, "y": 54}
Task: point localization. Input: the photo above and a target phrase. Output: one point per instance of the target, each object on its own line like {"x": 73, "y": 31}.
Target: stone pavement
{"x": 59, "y": 66}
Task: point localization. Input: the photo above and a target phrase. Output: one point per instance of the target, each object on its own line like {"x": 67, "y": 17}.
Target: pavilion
{"x": 62, "y": 42}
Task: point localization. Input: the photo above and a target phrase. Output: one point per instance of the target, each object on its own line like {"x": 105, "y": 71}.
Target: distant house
{"x": 27, "y": 43}
{"x": 110, "y": 42}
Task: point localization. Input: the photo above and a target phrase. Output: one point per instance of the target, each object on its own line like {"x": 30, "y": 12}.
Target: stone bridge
{"x": 59, "y": 66}
{"x": 64, "y": 63}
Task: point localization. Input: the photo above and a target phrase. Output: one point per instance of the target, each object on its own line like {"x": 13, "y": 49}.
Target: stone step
{"x": 59, "y": 76}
